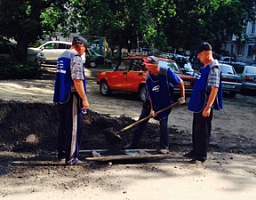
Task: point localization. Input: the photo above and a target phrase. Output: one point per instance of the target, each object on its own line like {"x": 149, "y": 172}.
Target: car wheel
{"x": 92, "y": 64}
{"x": 143, "y": 93}
{"x": 104, "y": 89}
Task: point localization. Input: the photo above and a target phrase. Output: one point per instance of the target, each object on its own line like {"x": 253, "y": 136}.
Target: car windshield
{"x": 250, "y": 70}
{"x": 227, "y": 69}
{"x": 172, "y": 65}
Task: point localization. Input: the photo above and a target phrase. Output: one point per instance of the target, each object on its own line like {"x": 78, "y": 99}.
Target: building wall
{"x": 244, "y": 51}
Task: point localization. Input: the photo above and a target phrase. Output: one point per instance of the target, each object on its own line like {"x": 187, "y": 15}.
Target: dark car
{"x": 231, "y": 81}
{"x": 7, "y": 51}
{"x": 129, "y": 75}
{"x": 93, "y": 59}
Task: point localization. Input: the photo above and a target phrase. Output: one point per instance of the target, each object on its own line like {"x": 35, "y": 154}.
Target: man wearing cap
{"x": 206, "y": 96}
{"x": 70, "y": 95}
{"x": 159, "y": 81}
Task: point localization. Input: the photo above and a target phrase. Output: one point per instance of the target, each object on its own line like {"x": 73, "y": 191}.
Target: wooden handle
{"x": 146, "y": 118}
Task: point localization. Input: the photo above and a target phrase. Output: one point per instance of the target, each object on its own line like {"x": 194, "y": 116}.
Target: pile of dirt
{"x": 32, "y": 127}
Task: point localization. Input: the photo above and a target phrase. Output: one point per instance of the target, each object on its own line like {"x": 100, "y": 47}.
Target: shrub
{"x": 11, "y": 69}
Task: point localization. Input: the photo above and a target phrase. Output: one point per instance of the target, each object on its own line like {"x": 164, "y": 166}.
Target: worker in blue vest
{"x": 70, "y": 95}
{"x": 160, "y": 80}
{"x": 206, "y": 96}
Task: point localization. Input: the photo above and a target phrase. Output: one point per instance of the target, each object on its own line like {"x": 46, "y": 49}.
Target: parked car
{"x": 53, "y": 49}
{"x": 93, "y": 59}
{"x": 182, "y": 61}
{"x": 129, "y": 75}
{"x": 227, "y": 59}
{"x": 248, "y": 76}
{"x": 7, "y": 51}
{"x": 231, "y": 81}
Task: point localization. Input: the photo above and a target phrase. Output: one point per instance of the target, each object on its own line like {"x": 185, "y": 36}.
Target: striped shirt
{"x": 76, "y": 67}
{"x": 214, "y": 76}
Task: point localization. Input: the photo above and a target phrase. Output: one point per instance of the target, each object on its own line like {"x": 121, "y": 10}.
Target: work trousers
{"x": 70, "y": 127}
{"x": 139, "y": 129}
{"x": 201, "y": 134}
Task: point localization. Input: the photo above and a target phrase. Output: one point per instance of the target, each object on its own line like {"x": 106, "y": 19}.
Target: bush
{"x": 11, "y": 69}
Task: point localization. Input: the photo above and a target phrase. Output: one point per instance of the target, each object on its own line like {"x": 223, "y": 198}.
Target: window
{"x": 49, "y": 46}
{"x": 227, "y": 69}
{"x": 63, "y": 46}
{"x": 124, "y": 65}
{"x": 240, "y": 50}
{"x": 251, "y": 70}
{"x": 137, "y": 65}
{"x": 250, "y": 49}
{"x": 253, "y": 28}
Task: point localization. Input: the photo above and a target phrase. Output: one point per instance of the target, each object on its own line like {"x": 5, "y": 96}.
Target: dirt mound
{"x": 33, "y": 127}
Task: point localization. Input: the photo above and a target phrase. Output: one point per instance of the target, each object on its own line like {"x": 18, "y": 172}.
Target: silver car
{"x": 231, "y": 81}
{"x": 51, "y": 50}
{"x": 248, "y": 76}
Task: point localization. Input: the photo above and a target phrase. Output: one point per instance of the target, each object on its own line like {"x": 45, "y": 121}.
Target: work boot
{"x": 189, "y": 154}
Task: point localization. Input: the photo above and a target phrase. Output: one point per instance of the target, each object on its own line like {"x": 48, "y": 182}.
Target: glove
{"x": 181, "y": 100}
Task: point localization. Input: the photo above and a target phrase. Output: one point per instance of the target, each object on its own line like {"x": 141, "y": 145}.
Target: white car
{"x": 51, "y": 50}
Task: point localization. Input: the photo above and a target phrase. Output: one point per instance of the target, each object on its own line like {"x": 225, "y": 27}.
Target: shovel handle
{"x": 145, "y": 118}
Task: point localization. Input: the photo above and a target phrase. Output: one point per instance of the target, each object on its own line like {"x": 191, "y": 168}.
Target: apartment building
{"x": 244, "y": 50}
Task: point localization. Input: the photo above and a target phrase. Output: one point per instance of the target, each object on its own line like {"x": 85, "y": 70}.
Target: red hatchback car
{"x": 129, "y": 75}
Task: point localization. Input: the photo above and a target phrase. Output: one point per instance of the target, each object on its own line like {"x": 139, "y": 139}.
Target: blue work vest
{"x": 159, "y": 88}
{"x": 200, "y": 92}
{"x": 63, "y": 80}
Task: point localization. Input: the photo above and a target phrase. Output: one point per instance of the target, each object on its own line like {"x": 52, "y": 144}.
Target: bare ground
{"x": 28, "y": 166}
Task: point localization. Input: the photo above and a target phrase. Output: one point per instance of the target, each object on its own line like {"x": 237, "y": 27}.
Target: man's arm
{"x": 79, "y": 86}
{"x": 212, "y": 96}
{"x": 181, "y": 100}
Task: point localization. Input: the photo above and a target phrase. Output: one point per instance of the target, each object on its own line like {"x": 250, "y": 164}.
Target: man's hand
{"x": 152, "y": 113}
{"x": 181, "y": 100}
{"x": 207, "y": 111}
{"x": 85, "y": 104}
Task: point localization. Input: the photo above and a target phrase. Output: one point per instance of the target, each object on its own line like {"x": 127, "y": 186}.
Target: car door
{"x": 135, "y": 76}
{"x": 48, "y": 51}
{"x": 53, "y": 50}
{"x": 119, "y": 76}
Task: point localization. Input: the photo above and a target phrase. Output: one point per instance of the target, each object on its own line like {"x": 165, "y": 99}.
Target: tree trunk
{"x": 21, "y": 50}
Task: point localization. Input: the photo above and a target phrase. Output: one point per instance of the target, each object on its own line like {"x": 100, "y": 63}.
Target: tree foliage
{"x": 179, "y": 24}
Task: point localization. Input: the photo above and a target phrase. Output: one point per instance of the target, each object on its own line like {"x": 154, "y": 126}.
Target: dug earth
{"x": 28, "y": 166}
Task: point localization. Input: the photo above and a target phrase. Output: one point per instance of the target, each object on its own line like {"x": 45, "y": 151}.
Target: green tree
{"x": 22, "y": 21}
{"x": 214, "y": 21}
{"x": 157, "y": 23}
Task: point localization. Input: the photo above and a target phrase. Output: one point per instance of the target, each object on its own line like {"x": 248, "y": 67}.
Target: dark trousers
{"x": 201, "y": 134}
{"x": 70, "y": 128}
{"x": 139, "y": 129}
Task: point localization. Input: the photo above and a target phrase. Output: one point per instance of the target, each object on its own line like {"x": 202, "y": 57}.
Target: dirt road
{"x": 230, "y": 172}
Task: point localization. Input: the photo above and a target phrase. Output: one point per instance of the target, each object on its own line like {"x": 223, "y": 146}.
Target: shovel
{"x": 117, "y": 134}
